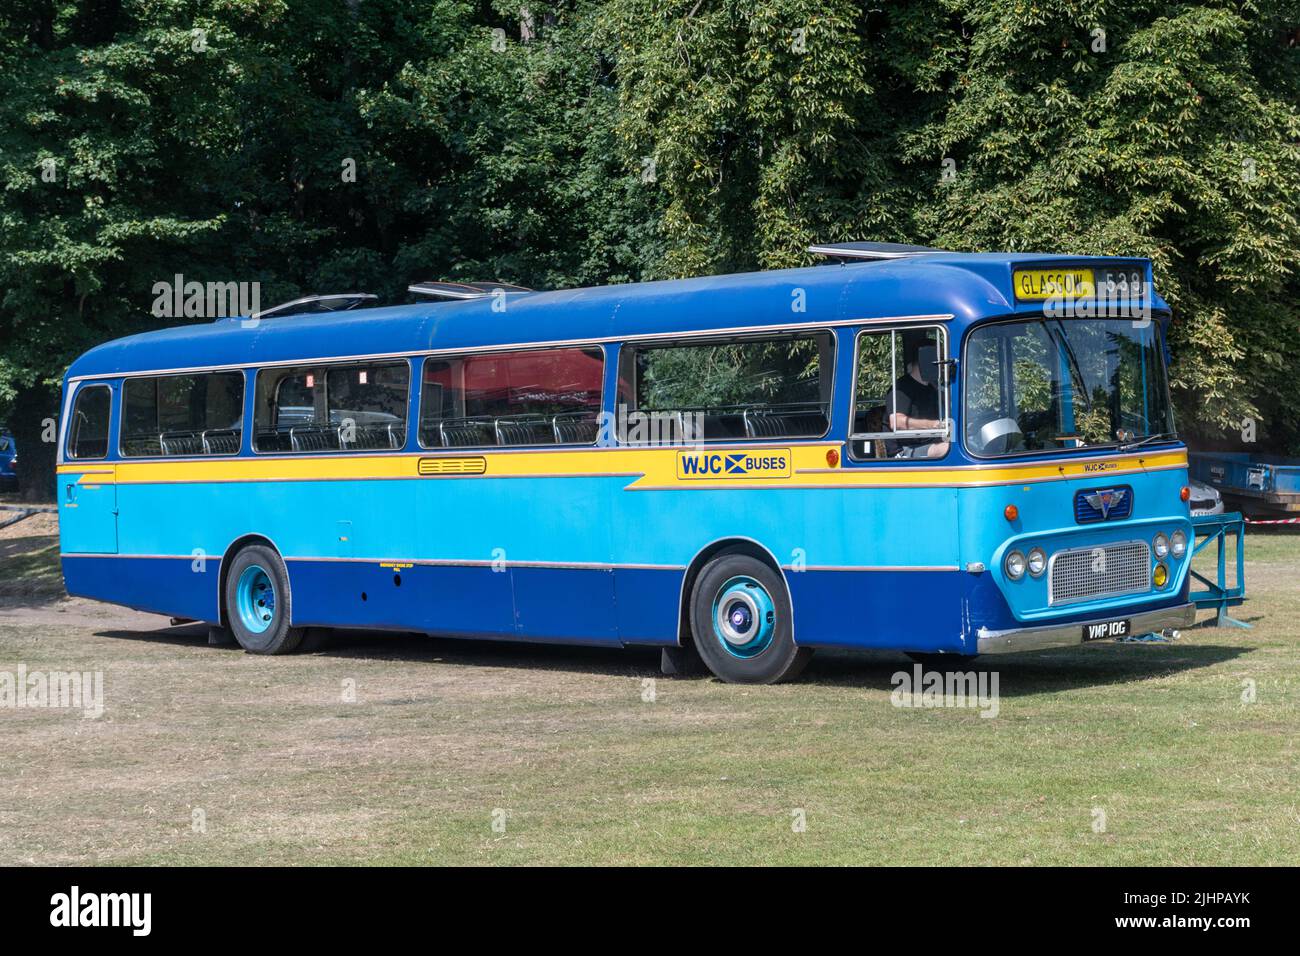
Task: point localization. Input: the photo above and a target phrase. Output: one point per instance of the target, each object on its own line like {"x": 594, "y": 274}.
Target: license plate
{"x": 1105, "y": 630}
{"x": 1041, "y": 284}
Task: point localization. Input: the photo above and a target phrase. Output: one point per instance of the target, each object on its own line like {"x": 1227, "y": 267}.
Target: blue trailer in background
{"x": 8, "y": 461}
{"x": 1257, "y": 485}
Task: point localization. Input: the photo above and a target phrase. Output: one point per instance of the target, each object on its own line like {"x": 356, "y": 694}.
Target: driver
{"x": 913, "y": 402}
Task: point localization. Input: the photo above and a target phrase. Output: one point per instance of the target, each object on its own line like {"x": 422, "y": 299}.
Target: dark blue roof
{"x": 966, "y": 286}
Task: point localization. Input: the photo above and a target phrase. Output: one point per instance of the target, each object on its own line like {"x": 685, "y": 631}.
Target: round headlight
{"x": 1037, "y": 562}
{"x": 1161, "y": 545}
{"x": 1014, "y": 565}
{"x": 1178, "y": 544}
{"x": 1161, "y": 575}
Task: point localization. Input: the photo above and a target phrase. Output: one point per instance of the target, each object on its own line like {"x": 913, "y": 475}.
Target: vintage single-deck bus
{"x": 932, "y": 452}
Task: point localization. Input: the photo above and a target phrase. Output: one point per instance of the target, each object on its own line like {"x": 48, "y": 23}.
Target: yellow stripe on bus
{"x": 646, "y": 468}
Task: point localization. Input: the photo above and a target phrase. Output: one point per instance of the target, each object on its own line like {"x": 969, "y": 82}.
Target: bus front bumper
{"x": 1067, "y": 635}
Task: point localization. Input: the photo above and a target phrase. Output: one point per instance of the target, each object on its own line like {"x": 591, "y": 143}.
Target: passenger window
{"x": 88, "y": 433}
{"x": 901, "y": 395}
{"x": 183, "y": 415}
{"x": 757, "y": 388}
{"x": 533, "y": 397}
{"x": 357, "y": 407}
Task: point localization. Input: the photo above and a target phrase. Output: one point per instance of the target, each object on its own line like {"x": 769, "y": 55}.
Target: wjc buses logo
{"x": 767, "y": 463}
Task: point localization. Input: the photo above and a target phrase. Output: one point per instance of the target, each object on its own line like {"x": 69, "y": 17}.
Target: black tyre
{"x": 258, "y": 602}
{"x": 742, "y": 624}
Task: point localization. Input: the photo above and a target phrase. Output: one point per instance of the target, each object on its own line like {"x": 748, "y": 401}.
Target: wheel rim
{"x": 255, "y": 599}
{"x": 744, "y": 617}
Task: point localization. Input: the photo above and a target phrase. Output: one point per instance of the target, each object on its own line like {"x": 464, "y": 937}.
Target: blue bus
{"x": 944, "y": 454}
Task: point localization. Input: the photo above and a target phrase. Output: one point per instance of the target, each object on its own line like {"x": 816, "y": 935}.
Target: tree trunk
{"x": 34, "y": 410}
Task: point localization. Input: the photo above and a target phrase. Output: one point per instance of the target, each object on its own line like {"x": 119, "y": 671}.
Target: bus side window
{"x": 367, "y": 404}
{"x": 351, "y": 407}
{"x": 756, "y": 388}
{"x": 900, "y": 404}
{"x": 88, "y": 434}
{"x": 181, "y": 415}
{"x": 285, "y": 408}
{"x": 525, "y": 398}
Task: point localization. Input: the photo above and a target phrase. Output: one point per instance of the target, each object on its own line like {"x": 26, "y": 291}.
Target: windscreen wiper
{"x": 1158, "y": 436}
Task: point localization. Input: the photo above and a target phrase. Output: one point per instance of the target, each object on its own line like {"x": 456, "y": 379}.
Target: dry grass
{"x": 442, "y": 734}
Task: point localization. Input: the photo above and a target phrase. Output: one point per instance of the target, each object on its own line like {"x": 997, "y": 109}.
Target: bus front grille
{"x": 1082, "y": 574}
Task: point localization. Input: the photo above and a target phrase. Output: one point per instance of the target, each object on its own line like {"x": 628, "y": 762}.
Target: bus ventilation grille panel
{"x": 1085, "y": 574}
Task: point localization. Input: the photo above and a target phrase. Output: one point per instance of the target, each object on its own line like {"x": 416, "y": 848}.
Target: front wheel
{"x": 742, "y": 622}
{"x": 257, "y": 602}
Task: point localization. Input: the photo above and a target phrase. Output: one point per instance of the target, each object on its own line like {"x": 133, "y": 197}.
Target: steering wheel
{"x": 996, "y": 436}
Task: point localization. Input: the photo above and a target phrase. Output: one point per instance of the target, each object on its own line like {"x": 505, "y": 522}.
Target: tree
{"x": 318, "y": 146}
{"x": 1072, "y": 126}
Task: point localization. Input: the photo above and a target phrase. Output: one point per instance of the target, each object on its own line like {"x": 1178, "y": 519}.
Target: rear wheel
{"x": 257, "y": 602}
{"x": 742, "y": 623}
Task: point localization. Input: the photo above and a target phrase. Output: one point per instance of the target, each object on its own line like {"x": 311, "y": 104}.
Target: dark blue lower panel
{"x": 646, "y": 601}
{"x": 897, "y": 610}
{"x": 178, "y": 587}
{"x": 469, "y": 601}
{"x": 546, "y": 604}
{"x": 569, "y": 604}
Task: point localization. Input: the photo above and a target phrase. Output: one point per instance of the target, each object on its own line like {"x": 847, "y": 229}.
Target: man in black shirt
{"x": 913, "y": 402}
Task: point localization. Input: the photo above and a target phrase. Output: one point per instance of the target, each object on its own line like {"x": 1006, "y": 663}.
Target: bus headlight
{"x": 1161, "y": 545}
{"x": 1178, "y": 544}
{"x": 1037, "y": 562}
{"x": 1014, "y": 565}
{"x": 1160, "y": 577}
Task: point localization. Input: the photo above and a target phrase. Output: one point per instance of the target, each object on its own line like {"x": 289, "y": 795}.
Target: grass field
{"x": 589, "y": 756}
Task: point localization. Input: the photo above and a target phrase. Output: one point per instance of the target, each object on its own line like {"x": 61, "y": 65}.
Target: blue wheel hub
{"x": 255, "y": 599}
{"x": 744, "y": 617}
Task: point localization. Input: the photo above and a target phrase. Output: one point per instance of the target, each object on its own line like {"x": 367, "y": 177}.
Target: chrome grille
{"x": 1071, "y": 576}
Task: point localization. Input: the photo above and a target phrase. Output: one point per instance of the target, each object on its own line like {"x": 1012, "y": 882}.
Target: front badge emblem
{"x": 1103, "y": 501}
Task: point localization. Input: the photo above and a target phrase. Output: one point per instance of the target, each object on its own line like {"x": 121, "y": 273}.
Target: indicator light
{"x": 1011, "y": 512}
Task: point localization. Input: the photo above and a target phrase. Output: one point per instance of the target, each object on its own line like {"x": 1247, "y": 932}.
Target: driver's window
{"x": 1013, "y": 396}
{"x": 901, "y": 395}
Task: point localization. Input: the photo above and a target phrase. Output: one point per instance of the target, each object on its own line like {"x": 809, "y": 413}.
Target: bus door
{"x": 901, "y": 524}
{"x": 88, "y": 493}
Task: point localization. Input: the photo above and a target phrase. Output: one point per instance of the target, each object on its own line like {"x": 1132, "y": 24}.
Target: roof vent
{"x": 464, "y": 290}
{"x": 316, "y": 304}
{"x": 869, "y": 250}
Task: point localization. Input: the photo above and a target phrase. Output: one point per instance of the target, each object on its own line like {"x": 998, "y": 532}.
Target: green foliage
{"x": 743, "y": 373}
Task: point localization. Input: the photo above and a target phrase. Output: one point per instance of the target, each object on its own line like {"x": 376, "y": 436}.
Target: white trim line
{"x": 520, "y": 346}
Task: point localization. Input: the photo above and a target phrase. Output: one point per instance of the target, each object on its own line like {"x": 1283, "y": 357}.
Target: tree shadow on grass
{"x": 1018, "y": 674}
{"x": 1034, "y": 672}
